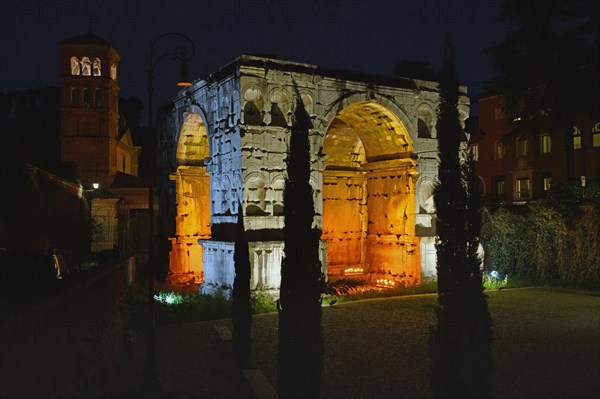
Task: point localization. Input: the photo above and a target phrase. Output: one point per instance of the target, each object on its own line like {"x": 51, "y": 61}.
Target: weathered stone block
{"x": 373, "y": 163}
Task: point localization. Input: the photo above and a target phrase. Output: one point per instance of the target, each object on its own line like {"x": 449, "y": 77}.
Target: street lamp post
{"x": 151, "y": 381}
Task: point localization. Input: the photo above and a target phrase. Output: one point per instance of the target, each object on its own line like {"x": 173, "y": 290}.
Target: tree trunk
{"x": 241, "y": 307}
{"x": 300, "y": 354}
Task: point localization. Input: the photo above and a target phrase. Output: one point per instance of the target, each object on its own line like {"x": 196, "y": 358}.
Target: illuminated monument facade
{"x": 373, "y": 159}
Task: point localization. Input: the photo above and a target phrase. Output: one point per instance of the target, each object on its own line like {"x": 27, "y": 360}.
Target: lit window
{"x": 475, "y": 152}
{"x": 596, "y": 135}
{"x": 113, "y": 72}
{"x": 546, "y": 144}
{"x": 576, "y": 138}
{"x": 523, "y": 188}
{"x": 97, "y": 70}
{"x": 499, "y": 150}
{"x": 521, "y": 147}
{"x": 500, "y": 188}
{"x": 86, "y": 66}
{"x": 547, "y": 182}
{"x": 75, "y": 67}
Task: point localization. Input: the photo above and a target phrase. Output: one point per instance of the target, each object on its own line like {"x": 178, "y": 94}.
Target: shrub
{"x": 546, "y": 241}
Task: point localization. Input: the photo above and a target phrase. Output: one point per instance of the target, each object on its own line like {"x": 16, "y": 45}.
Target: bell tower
{"x": 90, "y": 108}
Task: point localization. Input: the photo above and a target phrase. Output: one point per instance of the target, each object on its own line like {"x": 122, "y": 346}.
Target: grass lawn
{"x": 546, "y": 345}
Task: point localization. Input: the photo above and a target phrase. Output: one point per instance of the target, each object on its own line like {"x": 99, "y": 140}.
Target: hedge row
{"x": 544, "y": 241}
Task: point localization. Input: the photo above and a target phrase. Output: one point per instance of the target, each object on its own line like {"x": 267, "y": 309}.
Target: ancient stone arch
{"x": 372, "y": 172}
{"x": 193, "y": 197}
{"x": 368, "y": 193}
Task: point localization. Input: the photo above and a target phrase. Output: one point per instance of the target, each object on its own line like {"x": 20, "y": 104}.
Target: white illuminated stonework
{"x": 373, "y": 160}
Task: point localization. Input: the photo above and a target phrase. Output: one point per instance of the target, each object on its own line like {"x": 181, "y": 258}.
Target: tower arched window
{"x": 86, "y": 66}
{"x": 97, "y": 69}
{"x": 85, "y": 97}
{"x": 74, "y": 99}
{"x": 113, "y": 72}
{"x": 97, "y": 97}
{"x": 75, "y": 67}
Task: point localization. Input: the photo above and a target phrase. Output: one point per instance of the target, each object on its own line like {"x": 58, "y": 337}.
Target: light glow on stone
{"x": 353, "y": 270}
{"x": 382, "y": 282}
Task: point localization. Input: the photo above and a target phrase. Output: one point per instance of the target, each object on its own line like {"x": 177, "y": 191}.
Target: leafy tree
{"x": 300, "y": 353}
{"x": 450, "y": 196}
{"x": 460, "y": 342}
{"x": 548, "y": 66}
{"x": 241, "y": 307}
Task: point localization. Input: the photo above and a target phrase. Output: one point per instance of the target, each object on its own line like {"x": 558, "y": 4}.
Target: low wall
{"x": 66, "y": 340}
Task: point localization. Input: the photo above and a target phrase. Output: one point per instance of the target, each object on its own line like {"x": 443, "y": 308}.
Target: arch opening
{"x": 192, "y": 200}
{"x": 369, "y": 196}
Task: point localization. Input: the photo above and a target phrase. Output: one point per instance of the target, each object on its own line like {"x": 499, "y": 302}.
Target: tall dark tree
{"x": 460, "y": 342}
{"x": 241, "y": 306}
{"x": 300, "y": 354}
{"x": 547, "y": 68}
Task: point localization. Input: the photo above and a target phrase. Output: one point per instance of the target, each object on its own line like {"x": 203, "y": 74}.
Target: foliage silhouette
{"x": 300, "y": 351}
{"x": 460, "y": 343}
{"x": 547, "y": 68}
{"x": 241, "y": 306}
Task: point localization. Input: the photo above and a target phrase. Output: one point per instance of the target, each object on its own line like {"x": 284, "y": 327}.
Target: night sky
{"x": 356, "y": 35}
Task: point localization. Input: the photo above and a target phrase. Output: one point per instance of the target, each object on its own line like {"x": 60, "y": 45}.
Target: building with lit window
{"x": 98, "y": 143}
{"x": 519, "y": 168}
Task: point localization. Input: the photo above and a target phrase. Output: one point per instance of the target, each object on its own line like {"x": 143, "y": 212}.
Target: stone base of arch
{"x": 185, "y": 260}
{"x": 396, "y": 256}
{"x": 428, "y": 258}
{"x": 265, "y": 266}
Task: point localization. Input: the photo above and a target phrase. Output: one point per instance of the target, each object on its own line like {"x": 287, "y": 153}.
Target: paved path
{"x": 193, "y": 362}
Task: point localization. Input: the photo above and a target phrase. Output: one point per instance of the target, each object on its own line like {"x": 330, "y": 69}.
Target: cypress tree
{"x": 300, "y": 352}
{"x": 460, "y": 342}
{"x": 241, "y": 308}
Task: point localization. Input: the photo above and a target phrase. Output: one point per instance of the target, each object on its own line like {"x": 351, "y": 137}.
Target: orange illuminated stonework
{"x": 374, "y": 165}
{"x": 369, "y": 194}
{"x": 193, "y": 219}
{"x": 192, "y": 188}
